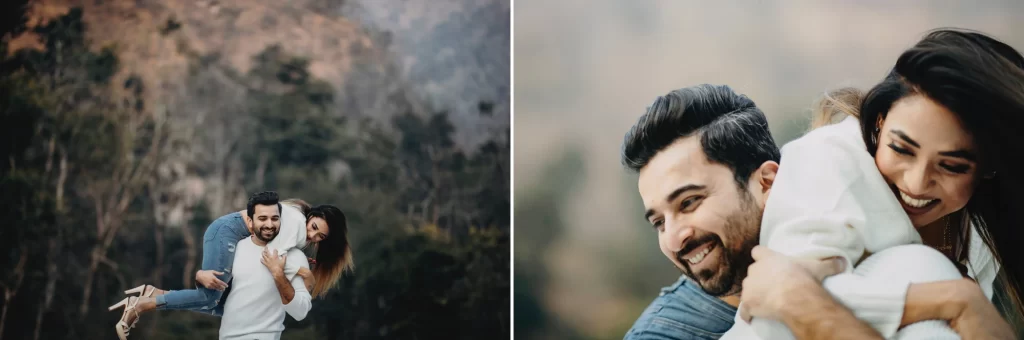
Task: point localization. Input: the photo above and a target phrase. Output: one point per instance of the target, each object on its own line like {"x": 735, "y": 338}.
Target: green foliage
{"x": 291, "y": 112}
{"x": 410, "y": 284}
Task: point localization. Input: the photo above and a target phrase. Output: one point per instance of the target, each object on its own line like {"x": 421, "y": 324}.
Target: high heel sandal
{"x": 122, "y": 327}
{"x": 143, "y": 290}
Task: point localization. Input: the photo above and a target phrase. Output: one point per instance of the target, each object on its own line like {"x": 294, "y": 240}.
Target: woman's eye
{"x": 959, "y": 169}
{"x": 900, "y": 150}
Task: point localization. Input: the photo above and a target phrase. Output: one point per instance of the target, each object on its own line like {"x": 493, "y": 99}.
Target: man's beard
{"x": 742, "y": 229}
{"x": 259, "y": 234}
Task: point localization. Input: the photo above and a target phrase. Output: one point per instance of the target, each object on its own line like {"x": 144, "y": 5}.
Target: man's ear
{"x": 762, "y": 180}
{"x": 248, "y": 223}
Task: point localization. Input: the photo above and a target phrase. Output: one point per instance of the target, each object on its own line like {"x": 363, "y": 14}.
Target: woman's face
{"x": 927, "y": 158}
{"x": 316, "y": 230}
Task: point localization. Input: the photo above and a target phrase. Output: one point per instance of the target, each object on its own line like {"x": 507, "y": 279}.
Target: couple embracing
{"x": 254, "y": 270}
{"x": 901, "y": 221}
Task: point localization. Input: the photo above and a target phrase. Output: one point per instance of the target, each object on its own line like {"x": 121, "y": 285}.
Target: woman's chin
{"x": 923, "y": 221}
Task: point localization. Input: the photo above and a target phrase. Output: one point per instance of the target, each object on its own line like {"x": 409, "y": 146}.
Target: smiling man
{"x": 706, "y": 162}
{"x": 701, "y": 153}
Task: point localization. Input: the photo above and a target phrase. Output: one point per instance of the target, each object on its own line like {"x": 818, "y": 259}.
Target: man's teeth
{"x": 700, "y": 256}
{"x": 916, "y": 203}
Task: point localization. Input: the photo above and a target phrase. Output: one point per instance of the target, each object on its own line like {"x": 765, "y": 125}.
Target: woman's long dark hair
{"x": 981, "y": 80}
{"x": 333, "y": 255}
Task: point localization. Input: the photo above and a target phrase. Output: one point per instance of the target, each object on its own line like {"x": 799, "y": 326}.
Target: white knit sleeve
{"x": 292, "y": 235}
{"x": 828, "y": 200}
{"x": 302, "y": 301}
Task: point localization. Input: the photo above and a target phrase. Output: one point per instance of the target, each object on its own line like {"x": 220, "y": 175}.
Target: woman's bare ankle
{"x": 146, "y": 304}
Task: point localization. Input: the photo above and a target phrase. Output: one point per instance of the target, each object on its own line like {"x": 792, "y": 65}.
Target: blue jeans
{"x": 219, "y": 243}
{"x": 683, "y": 311}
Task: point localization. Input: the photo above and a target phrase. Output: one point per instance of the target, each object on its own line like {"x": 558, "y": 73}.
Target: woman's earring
{"x": 874, "y": 136}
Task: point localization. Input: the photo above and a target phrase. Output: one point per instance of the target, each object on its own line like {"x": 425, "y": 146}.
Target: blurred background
{"x": 586, "y": 262}
{"x": 129, "y": 125}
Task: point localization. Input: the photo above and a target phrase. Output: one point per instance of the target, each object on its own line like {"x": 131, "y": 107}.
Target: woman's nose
{"x": 917, "y": 180}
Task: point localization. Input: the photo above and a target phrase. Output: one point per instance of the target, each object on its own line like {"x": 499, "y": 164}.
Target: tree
{"x": 110, "y": 144}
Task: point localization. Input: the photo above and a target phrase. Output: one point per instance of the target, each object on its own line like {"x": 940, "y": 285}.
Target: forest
{"x": 105, "y": 188}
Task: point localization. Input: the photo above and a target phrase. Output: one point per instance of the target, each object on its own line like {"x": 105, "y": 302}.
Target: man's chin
{"x": 265, "y": 237}
{"x": 716, "y": 284}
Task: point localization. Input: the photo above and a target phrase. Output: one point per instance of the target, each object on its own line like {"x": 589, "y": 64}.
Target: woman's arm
{"x": 771, "y": 286}
{"x": 788, "y": 290}
{"x": 828, "y": 200}
{"x": 300, "y": 304}
{"x": 291, "y": 236}
{"x": 962, "y": 302}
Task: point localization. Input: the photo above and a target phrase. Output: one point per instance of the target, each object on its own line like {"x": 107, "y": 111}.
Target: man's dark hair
{"x": 733, "y": 131}
{"x": 262, "y": 198}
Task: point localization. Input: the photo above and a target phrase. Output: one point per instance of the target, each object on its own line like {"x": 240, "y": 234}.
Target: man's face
{"x": 706, "y": 224}
{"x": 266, "y": 222}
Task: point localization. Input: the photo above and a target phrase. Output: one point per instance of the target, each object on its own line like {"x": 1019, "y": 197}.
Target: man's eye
{"x": 690, "y": 202}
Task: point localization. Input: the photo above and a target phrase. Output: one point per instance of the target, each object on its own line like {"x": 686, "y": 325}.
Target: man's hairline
{"x": 280, "y": 209}
{"x": 698, "y": 133}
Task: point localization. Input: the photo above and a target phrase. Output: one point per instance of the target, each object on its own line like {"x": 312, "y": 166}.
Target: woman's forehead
{"x": 928, "y": 124}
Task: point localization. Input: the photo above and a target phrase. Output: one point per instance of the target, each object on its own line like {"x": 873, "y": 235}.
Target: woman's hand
{"x": 974, "y": 316}
{"x": 273, "y": 261}
{"x": 208, "y": 278}
{"x": 307, "y": 278}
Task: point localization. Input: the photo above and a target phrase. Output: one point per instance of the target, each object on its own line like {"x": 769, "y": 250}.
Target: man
{"x": 262, "y": 292}
{"x": 706, "y": 162}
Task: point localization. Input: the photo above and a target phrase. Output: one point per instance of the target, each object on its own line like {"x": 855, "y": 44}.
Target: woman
{"x": 323, "y": 226}
{"x": 941, "y": 135}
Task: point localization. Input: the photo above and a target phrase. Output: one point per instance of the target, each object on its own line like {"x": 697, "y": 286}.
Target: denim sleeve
{"x": 683, "y": 311}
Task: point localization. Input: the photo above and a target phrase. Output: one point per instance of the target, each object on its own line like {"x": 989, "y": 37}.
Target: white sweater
{"x": 253, "y": 310}
{"x": 291, "y": 236}
{"x": 829, "y": 199}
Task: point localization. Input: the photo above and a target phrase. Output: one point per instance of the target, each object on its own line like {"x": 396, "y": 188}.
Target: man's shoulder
{"x": 683, "y": 311}
{"x": 246, "y": 242}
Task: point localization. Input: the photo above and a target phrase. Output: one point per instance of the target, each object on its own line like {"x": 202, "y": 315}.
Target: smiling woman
{"x": 935, "y": 139}
{"x": 966, "y": 86}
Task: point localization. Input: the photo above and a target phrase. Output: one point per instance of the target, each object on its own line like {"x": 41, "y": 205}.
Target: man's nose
{"x": 677, "y": 233}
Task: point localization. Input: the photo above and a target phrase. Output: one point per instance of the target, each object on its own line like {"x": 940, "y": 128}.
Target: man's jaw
{"x": 265, "y": 235}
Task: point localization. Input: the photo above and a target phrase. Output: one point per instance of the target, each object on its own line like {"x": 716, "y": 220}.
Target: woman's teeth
{"x": 700, "y": 256}
{"x": 913, "y": 202}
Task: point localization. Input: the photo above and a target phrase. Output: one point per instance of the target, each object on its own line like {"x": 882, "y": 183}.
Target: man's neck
{"x": 732, "y": 300}
{"x": 258, "y": 241}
